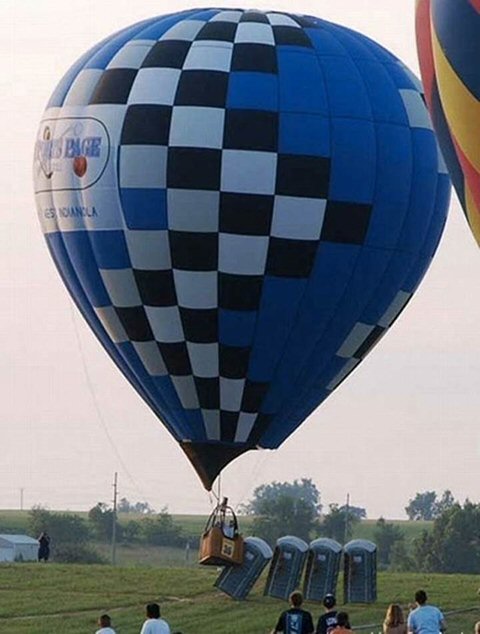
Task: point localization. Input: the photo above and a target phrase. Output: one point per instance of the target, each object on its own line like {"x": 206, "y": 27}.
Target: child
{"x": 105, "y": 622}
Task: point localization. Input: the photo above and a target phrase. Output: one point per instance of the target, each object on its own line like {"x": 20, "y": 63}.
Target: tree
{"x": 422, "y": 507}
{"x": 161, "y": 530}
{"x": 453, "y": 545}
{"x": 142, "y": 508}
{"x": 63, "y": 528}
{"x": 426, "y": 506}
{"x": 338, "y": 523}
{"x": 101, "y": 519}
{"x": 285, "y": 508}
{"x": 386, "y": 535}
{"x": 355, "y": 511}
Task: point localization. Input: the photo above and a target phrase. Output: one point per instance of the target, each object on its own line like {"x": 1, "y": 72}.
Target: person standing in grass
{"x": 394, "y": 622}
{"x": 295, "y": 620}
{"x": 477, "y": 628}
{"x": 105, "y": 623}
{"x": 425, "y": 619}
{"x": 327, "y": 621}
{"x": 154, "y": 624}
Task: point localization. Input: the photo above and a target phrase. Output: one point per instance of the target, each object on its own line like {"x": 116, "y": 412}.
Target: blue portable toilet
{"x": 323, "y": 566}
{"x": 286, "y": 568}
{"x": 360, "y": 572}
{"x": 237, "y": 581}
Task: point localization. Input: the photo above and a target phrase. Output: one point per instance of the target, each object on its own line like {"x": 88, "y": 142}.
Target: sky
{"x": 405, "y": 421}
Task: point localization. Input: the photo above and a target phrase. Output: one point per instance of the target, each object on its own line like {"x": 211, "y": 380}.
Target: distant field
{"x": 50, "y": 598}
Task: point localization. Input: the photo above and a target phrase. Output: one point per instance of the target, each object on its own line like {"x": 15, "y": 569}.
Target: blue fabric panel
{"x": 236, "y": 328}
{"x": 304, "y": 134}
{"x": 255, "y": 91}
{"x": 424, "y": 187}
{"x": 165, "y": 386}
{"x": 329, "y": 279}
{"x": 442, "y": 204}
{"x": 79, "y": 249}
{"x": 352, "y": 180}
{"x": 156, "y": 27}
{"x": 394, "y": 178}
{"x": 57, "y": 249}
{"x": 457, "y": 25}
{"x": 144, "y": 208}
{"x": 357, "y": 46}
{"x": 393, "y": 280}
{"x": 204, "y": 14}
{"x": 326, "y": 43}
{"x": 376, "y": 49}
{"x": 364, "y": 282}
{"x": 110, "y": 249}
{"x": 400, "y": 78}
{"x": 347, "y": 94}
{"x": 385, "y": 100}
{"x": 278, "y": 311}
{"x": 301, "y": 84}
{"x": 114, "y": 43}
{"x": 195, "y": 425}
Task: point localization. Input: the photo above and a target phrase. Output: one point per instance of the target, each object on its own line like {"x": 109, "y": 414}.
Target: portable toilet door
{"x": 360, "y": 572}
{"x": 286, "y": 567}
{"x": 323, "y": 566}
{"x": 237, "y": 581}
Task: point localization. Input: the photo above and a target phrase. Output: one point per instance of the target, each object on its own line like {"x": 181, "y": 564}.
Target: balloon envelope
{"x": 448, "y": 42}
{"x": 241, "y": 204}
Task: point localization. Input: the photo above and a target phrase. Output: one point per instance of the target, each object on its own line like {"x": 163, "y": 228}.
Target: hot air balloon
{"x": 448, "y": 43}
{"x": 240, "y": 203}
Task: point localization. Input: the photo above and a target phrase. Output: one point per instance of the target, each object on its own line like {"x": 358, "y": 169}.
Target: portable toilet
{"x": 237, "y": 581}
{"x": 360, "y": 572}
{"x": 323, "y": 566}
{"x": 286, "y": 567}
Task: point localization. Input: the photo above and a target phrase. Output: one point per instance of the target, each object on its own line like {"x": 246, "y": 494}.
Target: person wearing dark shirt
{"x": 295, "y": 620}
{"x": 327, "y": 621}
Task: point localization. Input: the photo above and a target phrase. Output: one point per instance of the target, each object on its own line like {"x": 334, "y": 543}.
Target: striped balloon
{"x": 448, "y": 41}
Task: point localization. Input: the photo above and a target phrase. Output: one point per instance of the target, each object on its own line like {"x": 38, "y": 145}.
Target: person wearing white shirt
{"x": 105, "y": 622}
{"x": 154, "y": 624}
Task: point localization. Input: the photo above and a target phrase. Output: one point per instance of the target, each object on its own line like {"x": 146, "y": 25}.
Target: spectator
{"x": 327, "y": 621}
{"x": 425, "y": 619}
{"x": 105, "y": 623}
{"x": 154, "y": 624}
{"x": 295, "y": 620}
{"x": 394, "y": 622}
{"x": 477, "y": 627}
{"x": 43, "y": 546}
{"x": 343, "y": 624}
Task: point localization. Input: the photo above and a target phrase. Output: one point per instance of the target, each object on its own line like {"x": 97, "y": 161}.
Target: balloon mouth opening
{"x": 209, "y": 458}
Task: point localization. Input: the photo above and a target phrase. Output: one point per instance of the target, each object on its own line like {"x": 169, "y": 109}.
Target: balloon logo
{"x": 264, "y": 194}
{"x": 80, "y": 166}
{"x": 448, "y": 42}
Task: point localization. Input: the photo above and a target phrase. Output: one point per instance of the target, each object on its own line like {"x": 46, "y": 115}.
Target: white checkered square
{"x": 155, "y": 86}
{"x": 242, "y": 255}
{"x": 197, "y": 127}
{"x": 298, "y": 218}
{"x": 143, "y": 166}
{"x": 207, "y": 55}
{"x": 248, "y": 172}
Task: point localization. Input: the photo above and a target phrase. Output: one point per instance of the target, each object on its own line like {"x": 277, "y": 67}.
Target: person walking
{"x": 105, "y": 623}
{"x": 394, "y": 622}
{"x": 295, "y": 620}
{"x": 327, "y": 621}
{"x": 425, "y": 619}
{"x": 154, "y": 624}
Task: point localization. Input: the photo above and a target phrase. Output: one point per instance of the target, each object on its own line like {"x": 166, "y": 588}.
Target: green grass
{"x": 51, "y": 598}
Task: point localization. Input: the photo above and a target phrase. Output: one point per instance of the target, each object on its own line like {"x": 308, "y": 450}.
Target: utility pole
{"x": 21, "y": 499}
{"x": 347, "y": 513}
{"x": 114, "y": 520}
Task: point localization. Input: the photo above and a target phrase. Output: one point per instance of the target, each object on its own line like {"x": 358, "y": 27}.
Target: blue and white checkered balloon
{"x": 241, "y": 204}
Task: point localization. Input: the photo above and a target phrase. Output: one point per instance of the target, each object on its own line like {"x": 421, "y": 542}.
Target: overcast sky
{"x": 405, "y": 421}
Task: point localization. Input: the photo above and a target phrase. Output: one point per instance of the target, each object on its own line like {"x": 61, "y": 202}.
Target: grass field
{"x": 51, "y": 598}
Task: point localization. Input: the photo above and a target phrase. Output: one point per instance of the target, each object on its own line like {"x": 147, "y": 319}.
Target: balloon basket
{"x": 221, "y": 544}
